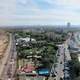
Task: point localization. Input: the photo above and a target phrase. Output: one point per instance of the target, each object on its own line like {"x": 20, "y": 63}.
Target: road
{"x": 60, "y": 64}
{"x": 10, "y": 66}
{"x": 63, "y": 56}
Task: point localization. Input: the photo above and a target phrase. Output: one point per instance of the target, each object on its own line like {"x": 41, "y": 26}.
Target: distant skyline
{"x": 39, "y": 12}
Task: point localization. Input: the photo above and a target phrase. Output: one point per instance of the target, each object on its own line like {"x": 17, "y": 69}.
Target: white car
{"x": 9, "y": 79}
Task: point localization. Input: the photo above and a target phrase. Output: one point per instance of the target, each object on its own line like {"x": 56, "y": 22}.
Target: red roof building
{"x": 28, "y": 68}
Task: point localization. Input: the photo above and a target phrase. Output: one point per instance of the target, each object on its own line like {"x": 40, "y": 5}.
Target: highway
{"x": 10, "y": 66}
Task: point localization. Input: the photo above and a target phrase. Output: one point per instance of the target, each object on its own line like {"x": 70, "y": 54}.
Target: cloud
{"x": 68, "y": 2}
{"x": 7, "y": 7}
{"x": 20, "y": 12}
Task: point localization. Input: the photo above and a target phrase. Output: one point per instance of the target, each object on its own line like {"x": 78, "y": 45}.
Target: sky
{"x": 39, "y": 12}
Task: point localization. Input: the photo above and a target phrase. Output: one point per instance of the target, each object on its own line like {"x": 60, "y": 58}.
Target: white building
{"x": 27, "y": 39}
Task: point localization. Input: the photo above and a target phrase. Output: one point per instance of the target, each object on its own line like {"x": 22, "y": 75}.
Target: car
{"x": 61, "y": 62}
{"x": 5, "y": 64}
{"x": 66, "y": 68}
{"x": 53, "y": 75}
{"x": 66, "y": 72}
{"x": 58, "y": 54}
{"x": 9, "y": 79}
{"x": 65, "y": 65}
{"x": 61, "y": 78}
{"x": 67, "y": 78}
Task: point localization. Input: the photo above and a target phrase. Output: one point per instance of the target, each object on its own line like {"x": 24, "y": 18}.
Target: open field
{"x": 4, "y": 49}
{"x": 3, "y": 42}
